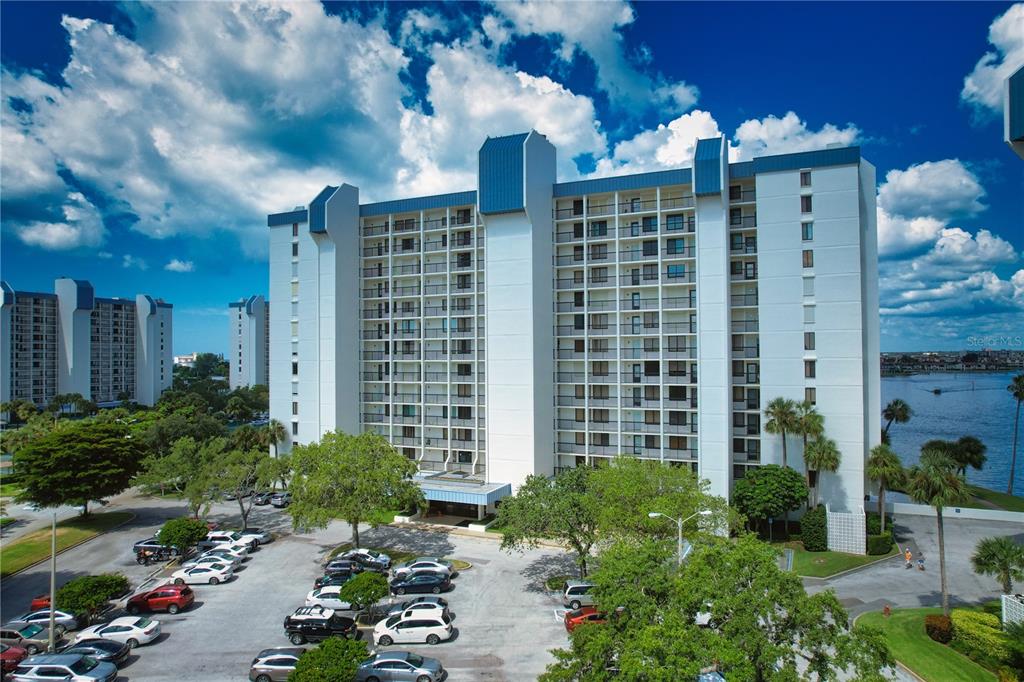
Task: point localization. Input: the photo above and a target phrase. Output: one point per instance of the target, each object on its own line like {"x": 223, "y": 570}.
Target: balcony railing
{"x": 668, "y": 203}
{"x": 743, "y": 222}
{"x": 638, "y": 205}
{"x": 742, "y": 195}
{"x": 739, "y": 326}
{"x": 745, "y": 352}
{"x": 743, "y": 299}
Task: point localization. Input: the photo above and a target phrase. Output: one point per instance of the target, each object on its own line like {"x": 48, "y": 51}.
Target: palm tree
{"x": 934, "y": 482}
{"x": 896, "y": 411}
{"x": 781, "y": 414}
{"x": 968, "y": 451}
{"x": 821, "y": 454}
{"x": 885, "y": 468}
{"x": 809, "y": 423}
{"x": 1016, "y": 389}
{"x": 276, "y": 433}
{"x": 1000, "y": 557}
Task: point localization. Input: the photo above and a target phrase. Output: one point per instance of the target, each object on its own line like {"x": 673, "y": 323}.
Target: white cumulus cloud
{"x": 130, "y": 261}
{"x": 177, "y": 265}
{"x": 939, "y": 189}
{"x": 983, "y": 87}
{"x": 81, "y": 226}
{"x": 773, "y": 135}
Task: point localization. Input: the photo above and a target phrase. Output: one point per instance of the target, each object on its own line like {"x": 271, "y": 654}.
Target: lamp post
{"x": 53, "y": 581}
{"x": 679, "y": 529}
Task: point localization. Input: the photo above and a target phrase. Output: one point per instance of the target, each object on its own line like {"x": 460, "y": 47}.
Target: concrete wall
{"x": 280, "y": 338}
{"x": 339, "y": 314}
{"x": 74, "y": 339}
{"x": 153, "y": 340}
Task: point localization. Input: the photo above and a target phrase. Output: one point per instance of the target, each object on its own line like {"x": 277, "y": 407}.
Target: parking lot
{"x": 506, "y": 622}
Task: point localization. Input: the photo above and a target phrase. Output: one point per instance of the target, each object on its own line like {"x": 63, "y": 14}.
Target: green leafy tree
{"x": 34, "y": 428}
{"x": 1001, "y": 558}
{"x": 1016, "y": 389}
{"x": 19, "y": 411}
{"x": 276, "y": 470}
{"x": 208, "y": 365}
{"x": 563, "y": 508}
{"x": 248, "y": 437}
{"x": 182, "y": 533}
{"x": 237, "y": 409}
{"x": 355, "y": 478}
{"x": 820, "y": 455}
{"x": 897, "y": 411}
{"x": 885, "y": 468}
{"x": 87, "y": 461}
{"x": 782, "y": 420}
{"x": 333, "y": 659}
{"x": 184, "y": 471}
{"x": 364, "y": 590}
{"x": 769, "y": 491}
{"x": 164, "y": 432}
{"x": 968, "y": 451}
{"x": 728, "y": 607}
{"x": 88, "y": 594}
{"x": 237, "y": 472}
{"x": 809, "y": 423}
{"x": 934, "y": 482}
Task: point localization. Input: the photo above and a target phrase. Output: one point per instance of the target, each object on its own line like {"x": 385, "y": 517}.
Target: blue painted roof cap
{"x": 707, "y": 167}
{"x": 500, "y": 174}
{"x": 318, "y": 209}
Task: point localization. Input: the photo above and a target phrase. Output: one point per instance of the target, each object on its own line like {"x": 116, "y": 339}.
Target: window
{"x": 810, "y": 369}
{"x": 577, "y": 253}
{"x": 650, "y": 248}
{"x": 295, "y": 369}
{"x": 577, "y": 207}
{"x": 808, "y": 258}
{"x": 577, "y": 345}
{"x": 808, "y": 286}
{"x": 295, "y": 250}
{"x": 674, "y": 246}
{"x": 808, "y": 340}
{"x": 295, "y": 428}
{"x": 807, "y": 231}
{"x": 295, "y": 229}
{"x": 295, "y": 408}
{"x": 805, "y": 204}
{"x": 811, "y": 395}
{"x": 599, "y": 228}
{"x": 577, "y": 299}
{"x": 808, "y": 314}
{"x": 805, "y": 178}
{"x": 598, "y": 252}
{"x": 676, "y": 271}
{"x": 734, "y": 192}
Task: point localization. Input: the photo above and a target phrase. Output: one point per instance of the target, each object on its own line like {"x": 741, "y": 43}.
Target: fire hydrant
{"x": 887, "y": 611}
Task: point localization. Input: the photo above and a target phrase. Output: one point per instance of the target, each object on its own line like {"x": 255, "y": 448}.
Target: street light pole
{"x": 679, "y": 529}
{"x": 53, "y": 581}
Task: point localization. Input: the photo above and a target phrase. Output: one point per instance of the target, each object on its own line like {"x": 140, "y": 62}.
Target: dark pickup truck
{"x": 315, "y": 624}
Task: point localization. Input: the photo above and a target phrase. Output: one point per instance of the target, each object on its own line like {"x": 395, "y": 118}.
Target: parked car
{"x": 420, "y": 610}
{"x": 281, "y": 500}
{"x": 328, "y": 597}
{"x": 425, "y": 564}
{"x": 106, "y": 650}
{"x": 316, "y": 623}
{"x": 261, "y": 499}
{"x": 40, "y": 602}
{"x": 130, "y": 630}
{"x": 232, "y": 496}
{"x": 403, "y": 666}
{"x": 236, "y": 552}
{"x": 261, "y": 535}
{"x": 62, "y": 619}
{"x": 211, "y": 574}
{"x": 10, "y": 657}
{"x": 155, "y": 546}
{"x": 368, "y": 559}
{"x": 65, "y": 667}
{"x": 32, "y": 638}
{"x": 332, "y": 579}
{"x": 419, "y": 583}
{"x": 342, "y": 565}
{"x": 274, "y": 665}
{"x": 169, "y": 598}
{"x": 233, "y": 537}
{"x": 213, "y": 557}
{"x": 430, "y": 628}
{"x": 586, "y": 614}
{"x": 576, "y": 593}
{"x": 419, "y": 602}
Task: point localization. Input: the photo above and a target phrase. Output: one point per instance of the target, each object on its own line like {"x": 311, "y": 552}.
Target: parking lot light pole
{"x": 53, "y": 581}
{"x": 679, "y": 529}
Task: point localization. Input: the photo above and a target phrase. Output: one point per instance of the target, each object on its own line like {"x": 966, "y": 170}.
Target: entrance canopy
{"x": 449, "y": 486}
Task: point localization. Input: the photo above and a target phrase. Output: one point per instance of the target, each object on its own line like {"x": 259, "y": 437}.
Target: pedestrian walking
{"x": 909, "y": 556}
{"x": 920, "y": 563}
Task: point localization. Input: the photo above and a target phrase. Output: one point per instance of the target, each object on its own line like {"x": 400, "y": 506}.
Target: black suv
{"x": 315, "y": 624}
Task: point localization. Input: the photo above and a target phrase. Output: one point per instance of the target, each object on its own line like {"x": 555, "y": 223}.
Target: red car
{"x": 10, "y": 657}
{"x": 587, "y": 614}
{"x": 169, "y": 598}
{"x": 39, "y": 603}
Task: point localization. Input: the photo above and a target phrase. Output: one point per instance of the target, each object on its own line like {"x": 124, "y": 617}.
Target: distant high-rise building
{"x": 248, "y": 351}
{"x": 72, "y": 341}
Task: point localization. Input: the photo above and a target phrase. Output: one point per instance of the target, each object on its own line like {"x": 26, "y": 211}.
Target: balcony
{"x": 682, "y": 429}
{"x": 638, "y": 330}
{"x": 602, "y": 330}
{"x": 742, "y": 326}
{"x": 743, "y": 300}
{"x": 409, "y": 225}
{"x": 403, "y": 292}
{"x": 746, "y": 406}
{"x": 638, "y": 206}
{"x": 746, "y": 248}
{"x": 610, "y": 449}
{"x": 743, "y": 222}
{"x": 379, "y": 251}
{"x": 571, "y": 448}
{"x": 568, "y": 236}
{"x": 601, "y": 379}
{"x": 689, "y": 404}
{"x": 379, "y": 228}
{"x": 641, "y": 353}
{"x": 637, "y": 303}
{"x": 741, "y": 195}
{"x": 435, "y": 245}
{"x": 685, "y": 201}
{"x": 435, "y": 267}
{"x": 405, "y": 440}
{"x": 745, "y": 351}
{"x": 570, "y": 212}
{"x": 678, "y": 302}
{"x": 640, "y": 427}
{"x": 406, "y": 419}
{"x": 639, "y": 230}
{"x": 407, "y": 356}
{"x": 435, "y": 289}
{"x": 748, "y": 275}
{"x": 436, "y": 355}
{"x": 628, "y": 378}
{"x": 638, "y": 279}
{"x": 569, "y": 283}
{"x": 681, "y": 353}
{"x": 630, "y": 255}
{"x": 747, "y": 430}
{"x": 405, "y": 377}
{"x": 679, "y": 253}
{"x": 570, "y": 377}
{"x": 597, "y": 210}
{"x": 680, "y": 379}
{"x": 569, "y": 401}
{"x": 687, "y": 225}
{"x": 747, "y": 379}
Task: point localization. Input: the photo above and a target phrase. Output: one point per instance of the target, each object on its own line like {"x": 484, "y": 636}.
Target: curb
{"x": 455, "y": 530}
{"x": 71, "y": 547}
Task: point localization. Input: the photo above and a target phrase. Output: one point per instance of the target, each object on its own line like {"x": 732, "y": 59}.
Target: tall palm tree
{"x": 896, "y": 411}
{"x": 885, "y": 468}
{"x": 1016, "y": 389}
{"x": 1001, "y": 558}
{"x": 822, "y": 454}
{"x": 276, "y": 433}
{"x": 809, "y": 424}
{"x": 781, "y": 414}
{"x": 934, "y": 482}
{"x": 968, "y": 451}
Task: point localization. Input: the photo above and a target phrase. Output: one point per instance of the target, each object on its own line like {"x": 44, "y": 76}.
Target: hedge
{"x": 939, "y": 628}
{"x": 979, "y": 635}
{"x": 87, "y": 594}
{"x": 874, "y": 523}
{"x": 814, "y": 530}
{"x": 879, "y": 544}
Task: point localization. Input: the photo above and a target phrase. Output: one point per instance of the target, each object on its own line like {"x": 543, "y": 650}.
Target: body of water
{"x": 971, "y": 404}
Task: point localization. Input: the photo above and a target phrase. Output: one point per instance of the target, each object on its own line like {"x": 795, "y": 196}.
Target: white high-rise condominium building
{"x": 532, "y": 325}
{"x": 71, "y": 341}
{"x": 248, "y": 351}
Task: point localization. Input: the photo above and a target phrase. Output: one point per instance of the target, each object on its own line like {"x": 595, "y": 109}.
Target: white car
{"x": 130, "y": 630}
{"x": 425, "y": 609}
{"x": 261, "y": 535}
{"x": 327, "y": 597}
{"x": 233, "y": 538}
{"x": 424, "y": 564}
{"x": 213, "y": 557}
{"x": 429, "y": 628}
{"x": 240, "y": 552}
{"x": 202, "y": 575}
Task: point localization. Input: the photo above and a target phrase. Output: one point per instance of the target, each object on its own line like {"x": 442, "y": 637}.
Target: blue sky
{"x": 145, "y": 143}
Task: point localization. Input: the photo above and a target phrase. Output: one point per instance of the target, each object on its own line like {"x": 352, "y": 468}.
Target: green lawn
{"x": 1007, "y": 502}
{"x": 6, "y": 521}
{"x": 397, "y": 555}
{"x": 34, "y": 547}
{"x": 934, "y": 662}
{"x": 825, "y": 564}
{"x": 9, "y": 489}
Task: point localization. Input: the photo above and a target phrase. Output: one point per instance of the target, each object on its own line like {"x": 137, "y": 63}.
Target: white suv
{"x": 430, "y": 628}
{"x": 235, "y": 538}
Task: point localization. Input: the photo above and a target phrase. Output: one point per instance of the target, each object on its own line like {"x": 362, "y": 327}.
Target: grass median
{"x": 35, "y": 547}
{"x": 825, "y": 564}
{"x": 398, "y": 556}
{"x": 1007, "y": 502}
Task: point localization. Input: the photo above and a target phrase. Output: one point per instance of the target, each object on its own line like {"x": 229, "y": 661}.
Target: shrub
{"x": 939, "y": 628}
{"x": 814, "y": 530}
{"x": 182, "y": 532}
{"x": 980, "y": 637}
{"x": 334, "y": 659}
{"x": 879, "y": 544}
{"x": 89, "y": 593}
{"x": 874, "y": 523}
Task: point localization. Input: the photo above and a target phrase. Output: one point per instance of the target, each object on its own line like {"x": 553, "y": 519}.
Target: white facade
{"x": 71, "y": 341}
{"x": 248, "y": 349}
{"x": 532, "y": 325}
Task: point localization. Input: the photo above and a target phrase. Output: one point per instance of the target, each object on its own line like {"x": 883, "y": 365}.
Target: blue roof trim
{"x": 707, "y": 163}
{"x": 418, "y": 203}
{"x": 164, "y": 304}
{"x": 287, "y": 218}
{"x": 448, "y": 495}
{"x": 1015, "y": 105}
{"x": 236, "y": 304}
{"x": 500, "y": 176}
{"x": 680, "y": 176}
{"x": 741, "y": 170}
{"x": 318, "y": 210}
{"x": 840, "y": 156}
{"x": 84, "y": 295}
